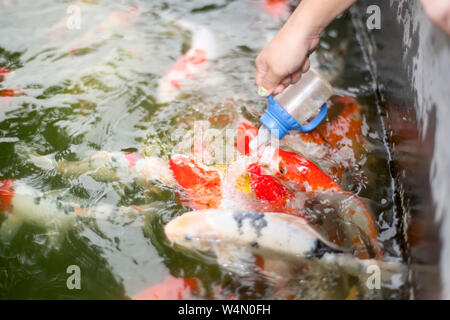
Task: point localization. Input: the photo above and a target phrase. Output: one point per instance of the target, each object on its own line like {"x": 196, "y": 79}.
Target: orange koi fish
{"x": 298, "y": 171}
{"x": 344, "y": 126}
{"x": 201, "y": 185}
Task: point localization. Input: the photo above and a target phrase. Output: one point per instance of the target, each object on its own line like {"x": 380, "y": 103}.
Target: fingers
{"x": 283, "y": 84}
{"x": 296, "y": 76}
{"x": 269, "y": 83}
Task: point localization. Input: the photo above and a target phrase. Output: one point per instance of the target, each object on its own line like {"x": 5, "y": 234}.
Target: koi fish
{"x": 265, "y": 233}
{"x": 191, "y": 64}
{"x": 171, "y": 289}
{"x": 337, "y": 143}
{"x": 23, "y": 204}
{"x": 304, "y": 176}
{"x": 278, "y": 239}
{"x": 201, "y": 185}
{"x": 111, "y": 166}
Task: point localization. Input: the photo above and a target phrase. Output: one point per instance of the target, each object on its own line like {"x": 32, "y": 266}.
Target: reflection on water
{"x": 96, "y": 88}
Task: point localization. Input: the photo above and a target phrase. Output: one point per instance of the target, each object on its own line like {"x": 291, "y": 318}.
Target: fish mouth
{"x": 273, "y": 174}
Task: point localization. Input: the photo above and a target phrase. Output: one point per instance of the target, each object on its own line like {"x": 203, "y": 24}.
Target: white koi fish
{"x": 265, "y": 233}
{"x": 21, "y": 204}
{"x": 277, "y": 237}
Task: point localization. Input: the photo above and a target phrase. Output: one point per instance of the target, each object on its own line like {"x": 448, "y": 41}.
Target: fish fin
{"x": 238, "y": 260}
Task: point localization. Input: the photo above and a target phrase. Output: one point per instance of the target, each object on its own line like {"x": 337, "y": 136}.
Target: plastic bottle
{"x": 299, "y": 102}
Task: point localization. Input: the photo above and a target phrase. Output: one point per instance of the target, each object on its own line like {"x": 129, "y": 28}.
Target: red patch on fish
{"x": 6, "y": 195}
{"x": 171, "y": 289}
{"x": 276, "y": 8}
{"x": 246, "y": 132}
{"x": 303, "y": 173}
{"x": 132, "y": 158}
{"x": 10, "y": 92}
{"x": 201, "y": 186}
{"x": 266, "y": 187}
{"x": 194, "y": 56}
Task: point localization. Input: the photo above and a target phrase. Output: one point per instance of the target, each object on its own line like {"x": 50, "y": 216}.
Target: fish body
{"x": 201, "y": 185}
{"x": 190, "y": 65}
{"x": 21, "y": 203}
{"x": 111, "y": 166}
{"x": 265, "y": 233}
{"x": 338, "y": 143}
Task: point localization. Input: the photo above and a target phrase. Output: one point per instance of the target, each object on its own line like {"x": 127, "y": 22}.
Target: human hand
{"x": 439, "y": 13}
{"x": 284, "y": 59}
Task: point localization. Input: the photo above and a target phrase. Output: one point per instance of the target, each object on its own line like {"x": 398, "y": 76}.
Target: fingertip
{"x": 262, "y": 92}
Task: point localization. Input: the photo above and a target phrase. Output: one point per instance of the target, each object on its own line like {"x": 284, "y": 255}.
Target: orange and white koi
{"x": 337, "y": 144}
{"x": 191, "y": 64}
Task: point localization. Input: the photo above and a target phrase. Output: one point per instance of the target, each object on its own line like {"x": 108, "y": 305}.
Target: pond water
{"x": 96, "y": 88}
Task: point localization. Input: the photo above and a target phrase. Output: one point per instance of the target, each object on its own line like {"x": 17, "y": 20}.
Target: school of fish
{"x": 260, "y": 203}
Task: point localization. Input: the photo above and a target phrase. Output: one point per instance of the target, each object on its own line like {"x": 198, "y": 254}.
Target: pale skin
{"x": 286, "y": 57}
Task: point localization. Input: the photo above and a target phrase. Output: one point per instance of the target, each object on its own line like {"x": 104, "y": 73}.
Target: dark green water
{"x": 103, "y": 97}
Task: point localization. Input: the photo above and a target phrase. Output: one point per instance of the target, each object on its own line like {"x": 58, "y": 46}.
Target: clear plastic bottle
{"x": 298, "y": 103}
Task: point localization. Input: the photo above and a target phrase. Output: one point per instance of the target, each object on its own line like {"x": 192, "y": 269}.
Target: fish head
{"x": 295, "y": 170}
{"x": 269, "y": 189}
{"x": 192, "y": 230}
{"x": 201, "y": 185}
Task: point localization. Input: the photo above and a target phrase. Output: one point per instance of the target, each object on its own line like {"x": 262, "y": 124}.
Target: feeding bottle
{"x": 300, "y": 102}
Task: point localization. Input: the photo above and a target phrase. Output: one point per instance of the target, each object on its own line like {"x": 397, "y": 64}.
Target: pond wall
{"x": 410, "y": 63}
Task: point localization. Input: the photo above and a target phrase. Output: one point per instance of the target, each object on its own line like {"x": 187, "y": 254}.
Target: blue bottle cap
{"x": 279, "y": 121}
